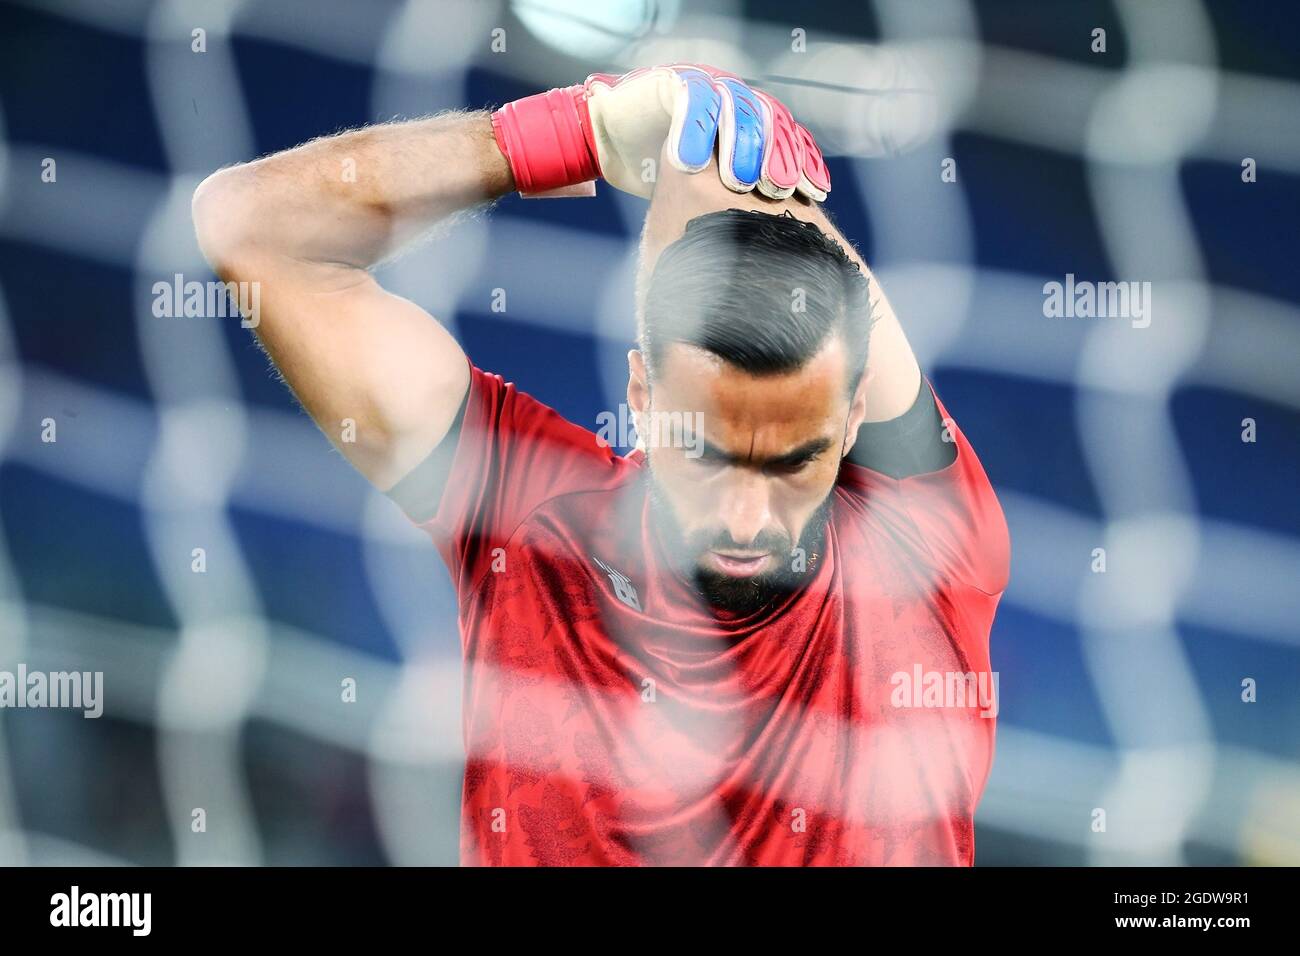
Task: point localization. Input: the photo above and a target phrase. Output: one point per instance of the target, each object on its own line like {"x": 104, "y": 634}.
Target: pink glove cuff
{"x": 547, "y": 139}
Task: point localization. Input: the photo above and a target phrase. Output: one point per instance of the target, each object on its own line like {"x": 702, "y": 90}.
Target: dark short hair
{"x": 733, "y": 285}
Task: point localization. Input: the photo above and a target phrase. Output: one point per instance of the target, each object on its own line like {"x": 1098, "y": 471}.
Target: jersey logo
{"x": 623, "y": 589}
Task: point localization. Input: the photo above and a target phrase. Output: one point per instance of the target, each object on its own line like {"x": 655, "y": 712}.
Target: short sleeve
{"x": 954, "y": 514}
{"x": 507, "y": 455}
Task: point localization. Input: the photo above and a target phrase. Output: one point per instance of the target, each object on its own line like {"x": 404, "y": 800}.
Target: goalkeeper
{"x": 722, "y": 651}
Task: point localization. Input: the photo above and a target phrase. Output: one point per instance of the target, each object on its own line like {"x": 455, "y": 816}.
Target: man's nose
{"x": 746, "y": 507}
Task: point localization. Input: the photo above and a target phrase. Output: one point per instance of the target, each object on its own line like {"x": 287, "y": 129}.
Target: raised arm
{"x": 307, "y": 224}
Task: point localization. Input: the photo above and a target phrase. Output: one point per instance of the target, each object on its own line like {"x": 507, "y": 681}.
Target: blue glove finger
{"x": 699, "y": 130}
{"x": 746, "y": 159}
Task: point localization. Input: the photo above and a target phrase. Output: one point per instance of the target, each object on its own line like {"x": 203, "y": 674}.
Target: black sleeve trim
{"x": 420, "y": 491}
{"x": 911, "y": 444}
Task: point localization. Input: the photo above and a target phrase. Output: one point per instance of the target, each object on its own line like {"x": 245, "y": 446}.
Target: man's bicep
{"x": 379, "y": 375}
{"x": 892, "y": 371}
{"x": 419, "y": 492}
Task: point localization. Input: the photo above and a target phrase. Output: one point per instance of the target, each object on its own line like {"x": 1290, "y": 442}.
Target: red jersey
{"x": 613, "y": 718}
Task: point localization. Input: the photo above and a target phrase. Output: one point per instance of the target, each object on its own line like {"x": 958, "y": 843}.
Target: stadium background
{"x": 1119, "y": 690}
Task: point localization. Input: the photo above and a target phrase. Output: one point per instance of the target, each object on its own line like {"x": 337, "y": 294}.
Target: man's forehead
{"x": 780, "y": 411}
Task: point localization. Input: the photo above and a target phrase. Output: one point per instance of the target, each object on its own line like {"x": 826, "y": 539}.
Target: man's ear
{"x": 638, "y": 384}
{"x": 638, "y": 392}
{"x": 857, "y": 412}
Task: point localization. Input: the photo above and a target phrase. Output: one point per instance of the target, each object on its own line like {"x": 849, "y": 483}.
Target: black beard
{"x": 741, "y": 596}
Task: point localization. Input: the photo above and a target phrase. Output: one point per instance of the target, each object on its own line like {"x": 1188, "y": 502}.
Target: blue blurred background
{"x": 1121, "y": 690}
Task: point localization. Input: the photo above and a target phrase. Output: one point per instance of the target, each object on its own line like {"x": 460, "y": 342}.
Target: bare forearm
{"x": 354, "y": 198}
{"x": 680, "y": 197}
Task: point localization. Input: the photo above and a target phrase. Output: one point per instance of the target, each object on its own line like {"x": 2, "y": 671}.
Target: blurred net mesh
{"x": 191, "y": 457}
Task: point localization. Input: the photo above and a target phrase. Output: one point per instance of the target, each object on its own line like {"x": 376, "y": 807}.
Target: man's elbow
{"x": 221, "y": 210}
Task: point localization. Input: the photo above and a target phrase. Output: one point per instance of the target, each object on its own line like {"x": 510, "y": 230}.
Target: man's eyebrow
{"x": 798, "y": 455}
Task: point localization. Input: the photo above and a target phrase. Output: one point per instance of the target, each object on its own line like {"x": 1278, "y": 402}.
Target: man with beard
{"x": 748, "y": 649}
